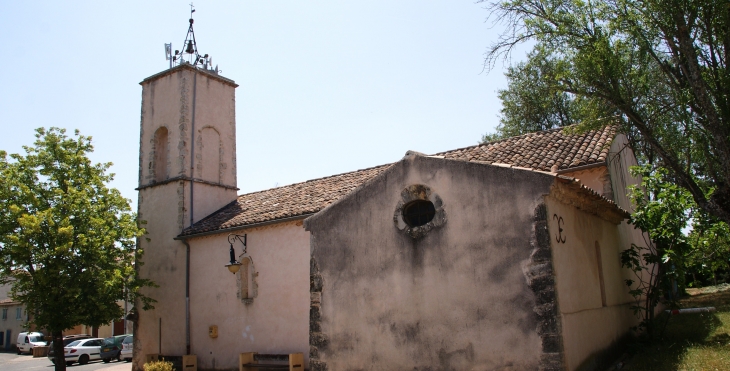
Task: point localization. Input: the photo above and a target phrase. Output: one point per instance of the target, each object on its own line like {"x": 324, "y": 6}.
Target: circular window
{"x": 419, "y": 212}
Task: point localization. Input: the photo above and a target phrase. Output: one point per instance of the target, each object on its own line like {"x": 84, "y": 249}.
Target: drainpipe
{"x": 187, "y": 297}
{"x": 192, "y": 146}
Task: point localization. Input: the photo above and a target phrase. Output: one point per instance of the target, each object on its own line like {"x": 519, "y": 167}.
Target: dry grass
{"x": 691, "y": 342}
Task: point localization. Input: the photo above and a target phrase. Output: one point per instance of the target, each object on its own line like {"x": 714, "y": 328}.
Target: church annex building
{"x": 501, "y": 256}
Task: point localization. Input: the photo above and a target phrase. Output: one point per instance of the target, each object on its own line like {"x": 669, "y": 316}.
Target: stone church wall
{"x": 472, "y": 290}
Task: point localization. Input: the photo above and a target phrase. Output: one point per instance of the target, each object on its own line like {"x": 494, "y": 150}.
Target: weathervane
{"x": 190, "y": 54}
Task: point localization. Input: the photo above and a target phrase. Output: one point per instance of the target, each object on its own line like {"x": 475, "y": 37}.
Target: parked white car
{"x": 127, "y": 349}
{"x": 83, "y": 351}
{"x": 29, "y": 340}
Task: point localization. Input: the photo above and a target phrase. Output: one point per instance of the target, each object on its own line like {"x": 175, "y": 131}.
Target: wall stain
{"x": 448, "y": 360}
{"x": 406, "y": 333}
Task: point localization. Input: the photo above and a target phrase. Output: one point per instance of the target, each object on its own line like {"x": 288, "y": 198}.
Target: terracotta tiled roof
{"x": 539, "y": 151}
{"x": 542, "y": 150}
{"x": 284, "y": 202}
{"x": 8, "y": 301}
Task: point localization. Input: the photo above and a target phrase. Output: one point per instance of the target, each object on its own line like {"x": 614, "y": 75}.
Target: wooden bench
{"x": 255, "y": 361}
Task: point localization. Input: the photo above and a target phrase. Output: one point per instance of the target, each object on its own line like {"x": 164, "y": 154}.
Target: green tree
{"x": 532, "y": 102}
{"x": 67, "y": 242}
{"x": 660, "y": 265}
{"x": 710, "y": 239}
{"x": 656, "y": 68}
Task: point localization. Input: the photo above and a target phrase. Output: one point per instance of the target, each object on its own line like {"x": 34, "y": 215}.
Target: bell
{"x": 190, "y": 49}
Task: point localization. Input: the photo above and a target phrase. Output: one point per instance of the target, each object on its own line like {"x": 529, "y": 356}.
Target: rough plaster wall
{"x": 276, "y": 321}
{"x": 5, "y": 291}
{"x": 456, "y": 299}
{"x": 164, "y": 262}
{"x": 620, "y": 159}
{"x": 215, "y": 109}
{"x": 183, "y": 152}
{"x": 208, "y": 199}
{"x": 597, "y": 178}
{"x": 165, "y": 103}
{"x": 143, "y": 150}
{"x": 229, "y": 152}
{"x": 208, "y": 155}
{"x": 589, "y": 327}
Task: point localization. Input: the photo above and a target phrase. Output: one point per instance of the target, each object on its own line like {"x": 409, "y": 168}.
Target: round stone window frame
{"x": 417, "y": 192}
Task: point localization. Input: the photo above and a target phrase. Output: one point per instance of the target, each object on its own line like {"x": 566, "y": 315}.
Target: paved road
{"x": 14, "y": 362}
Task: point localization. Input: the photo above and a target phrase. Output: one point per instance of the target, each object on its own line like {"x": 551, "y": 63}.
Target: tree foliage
{"x": 661, "y": 211}
{"x": 664, "y": 210}
{"x": 709, "y": 260}
{"x": 656, "y": 68}
{"x": 67, "y": 242}
{"x": 532, "y": 102}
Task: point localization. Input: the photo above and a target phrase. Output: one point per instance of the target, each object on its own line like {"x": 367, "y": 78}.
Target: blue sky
{"x": 326, "y": 87}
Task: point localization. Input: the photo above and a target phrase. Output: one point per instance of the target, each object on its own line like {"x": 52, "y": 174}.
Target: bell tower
{"x": 187, "y": 170}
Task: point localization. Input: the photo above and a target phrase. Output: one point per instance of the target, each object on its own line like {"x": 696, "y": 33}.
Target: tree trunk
{"x": 58, "y": 355}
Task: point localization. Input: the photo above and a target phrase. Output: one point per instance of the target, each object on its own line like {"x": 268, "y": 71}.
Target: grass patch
{"x": 691, "y": 342}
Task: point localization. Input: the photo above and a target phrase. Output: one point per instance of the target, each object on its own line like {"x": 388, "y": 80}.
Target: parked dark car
{"x": 66, "y": 340}
{"x": 112, "y": 348}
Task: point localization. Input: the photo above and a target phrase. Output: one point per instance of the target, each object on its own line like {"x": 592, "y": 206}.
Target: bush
{"x": 158, "y": 366}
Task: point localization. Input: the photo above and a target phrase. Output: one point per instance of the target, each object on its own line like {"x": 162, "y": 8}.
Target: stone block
{"x": 551, "y": 344}
{"x": 316, "y": 282}
{"x": 315, "y": 365}
{"x": 318, "y": 340}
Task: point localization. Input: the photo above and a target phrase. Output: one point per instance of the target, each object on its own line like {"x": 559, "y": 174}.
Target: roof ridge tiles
{"x": 314, "y": 180}
{"x": 521, "y": 136}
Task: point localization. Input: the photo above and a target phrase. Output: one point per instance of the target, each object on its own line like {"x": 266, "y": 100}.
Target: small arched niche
{"x": 246, "y": 278}
{"x": 209, "y": 155}
{"x": 160, "y": 156}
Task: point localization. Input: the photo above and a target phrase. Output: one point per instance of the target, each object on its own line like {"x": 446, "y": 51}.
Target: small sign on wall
{"x": 213, "y": 331}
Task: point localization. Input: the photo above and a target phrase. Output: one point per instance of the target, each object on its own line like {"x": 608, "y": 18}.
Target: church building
{"x": 496, "y": 256}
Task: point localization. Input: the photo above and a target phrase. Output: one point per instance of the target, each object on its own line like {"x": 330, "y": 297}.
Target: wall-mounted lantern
{"x": 235, "y": 265}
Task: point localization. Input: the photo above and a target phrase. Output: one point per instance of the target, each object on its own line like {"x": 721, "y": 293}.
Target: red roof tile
{"x": 284, "y": 202}
{"x": 539, "y": 151}
{"x": 542, "y": 150}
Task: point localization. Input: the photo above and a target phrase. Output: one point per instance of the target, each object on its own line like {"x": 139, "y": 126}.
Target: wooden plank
{"x": 296, "y": 362}
{"x": 250, "y": 361}
{"x": 245, "y": 359}
{"x": 190, "y": 362}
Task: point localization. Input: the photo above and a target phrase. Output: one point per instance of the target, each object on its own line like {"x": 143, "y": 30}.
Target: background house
{"x": 13, "y": 319}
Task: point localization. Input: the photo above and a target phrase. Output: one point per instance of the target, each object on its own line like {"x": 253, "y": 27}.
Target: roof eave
{"x": 182, "y": 237}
